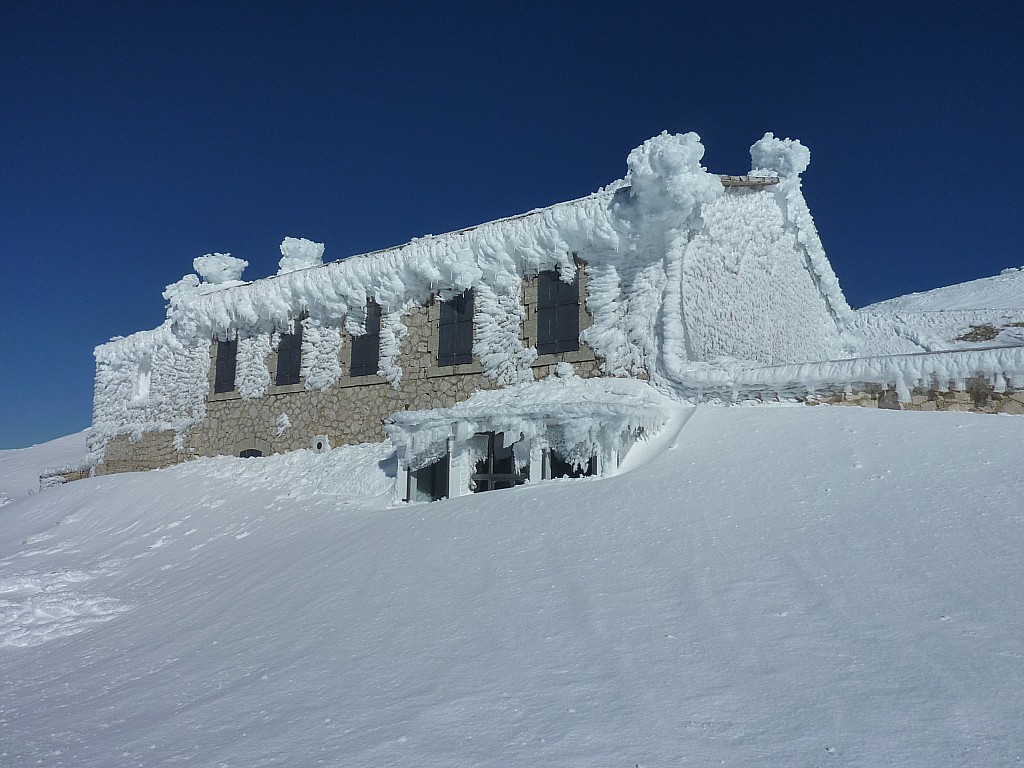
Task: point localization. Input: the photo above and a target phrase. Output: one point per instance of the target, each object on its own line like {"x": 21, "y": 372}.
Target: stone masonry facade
{"x": 350, "y": 411}
{"x": 978, "y": 397}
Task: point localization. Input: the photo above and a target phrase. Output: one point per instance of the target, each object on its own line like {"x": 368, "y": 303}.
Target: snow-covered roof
{"x": 666, "y": 192}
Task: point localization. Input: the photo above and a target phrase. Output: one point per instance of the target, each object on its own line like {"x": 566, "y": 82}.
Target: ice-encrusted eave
{"x": 497, "y": 253}
{"x": 583, "y": 417}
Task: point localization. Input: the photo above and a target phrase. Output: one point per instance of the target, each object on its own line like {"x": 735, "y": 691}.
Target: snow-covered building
{"x": 672, "y": 282}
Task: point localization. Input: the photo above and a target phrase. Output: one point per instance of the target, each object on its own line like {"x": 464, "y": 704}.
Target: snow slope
{"x": 946, "y": 318}
{"x": 1003, "y": 291}
{"x": 781, "y": 587}
{"x": 19, "y": 469}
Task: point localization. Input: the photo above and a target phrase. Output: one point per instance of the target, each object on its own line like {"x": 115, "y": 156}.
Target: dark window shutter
{"x": 568, "y": 327}
{"x": 224, "y": 372}
{"x": 455, "y": 334}
{"x": 289, "y": 356}
{"x": 366, "y": 348}
{"x": 558, "y": 314}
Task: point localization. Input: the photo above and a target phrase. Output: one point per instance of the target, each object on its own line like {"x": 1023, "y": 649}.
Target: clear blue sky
{"x": 137, "y": 136}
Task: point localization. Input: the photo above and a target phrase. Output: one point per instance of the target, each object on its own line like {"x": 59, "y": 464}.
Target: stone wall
{"x": 350, "y": 411}
{"x": 51, "y": 479}
{"x": 151, "y": 450}
{"x": 978, "y": 397}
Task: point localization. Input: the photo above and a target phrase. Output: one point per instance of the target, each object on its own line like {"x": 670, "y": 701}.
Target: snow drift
{"x": 778, "y": 586}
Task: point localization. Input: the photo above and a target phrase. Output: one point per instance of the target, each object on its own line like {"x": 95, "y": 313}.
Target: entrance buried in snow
{"x": 496, "y": 468}
{"x": 560, "y": 426}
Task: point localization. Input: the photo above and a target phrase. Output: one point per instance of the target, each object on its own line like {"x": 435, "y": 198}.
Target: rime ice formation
{"x": 786, "y": 157}
{"x": 299, "y": 253}
{"x": 320, "y": 345}
{"x": 175, "y": 398}
{"x": 578, "y": 418}
{"x": 252, "y": 377}
{"x": 707, "y": 289}
{"x": 219, "y": 268}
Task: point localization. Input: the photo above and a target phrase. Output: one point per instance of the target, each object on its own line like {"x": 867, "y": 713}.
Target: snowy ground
{"x": 782, "y": 587}
{"x": 979, "y": 313}
{"x": 1002, "y": 291}
{"x": 19, "y": 469}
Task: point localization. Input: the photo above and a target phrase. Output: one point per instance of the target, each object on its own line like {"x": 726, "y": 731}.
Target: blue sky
{"x": 138, "y": 136}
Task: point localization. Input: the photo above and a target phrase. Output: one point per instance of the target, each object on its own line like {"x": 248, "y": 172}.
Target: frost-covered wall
{"x": 151, "y": 381}
{"x": 744, "y": 295}
{"x": 707, "y": 272}
{"x": 681, "y": 270}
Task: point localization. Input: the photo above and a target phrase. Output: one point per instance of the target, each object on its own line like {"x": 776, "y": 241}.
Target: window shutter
{"x": 366, "y": 348}
{"x": 455, "y": 332}
{"x": 289, "y": 356}
{"x": 558, "y": 320}
{"x": 224, "y": 371}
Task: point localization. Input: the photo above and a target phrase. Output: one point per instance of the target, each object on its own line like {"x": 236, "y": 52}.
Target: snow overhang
{"x": 577, "y": 417}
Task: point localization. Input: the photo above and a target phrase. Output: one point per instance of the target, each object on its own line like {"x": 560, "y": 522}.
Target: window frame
{"x": 489, "y": 479}
{"x": 432, "y": 480}
{"x": 556, "y": 467}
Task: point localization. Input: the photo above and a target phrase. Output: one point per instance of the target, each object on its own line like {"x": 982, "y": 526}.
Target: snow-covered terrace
{"x": 1001, "y": 367}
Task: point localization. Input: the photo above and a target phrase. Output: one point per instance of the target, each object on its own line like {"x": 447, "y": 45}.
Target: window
{"x": 145, "y": 377}
{"x": 559, "y": 467}
{"x": 224, "y": 370}
{"x": 366, "y": 348}
{"x": 289, "y": 356}
{"x": 429, "y": 483}
{"x": 250, "y": 453}
{"x": 497, "y": 468}
{"x": 455, "y": 334}
{"x": 558, "y": 314}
